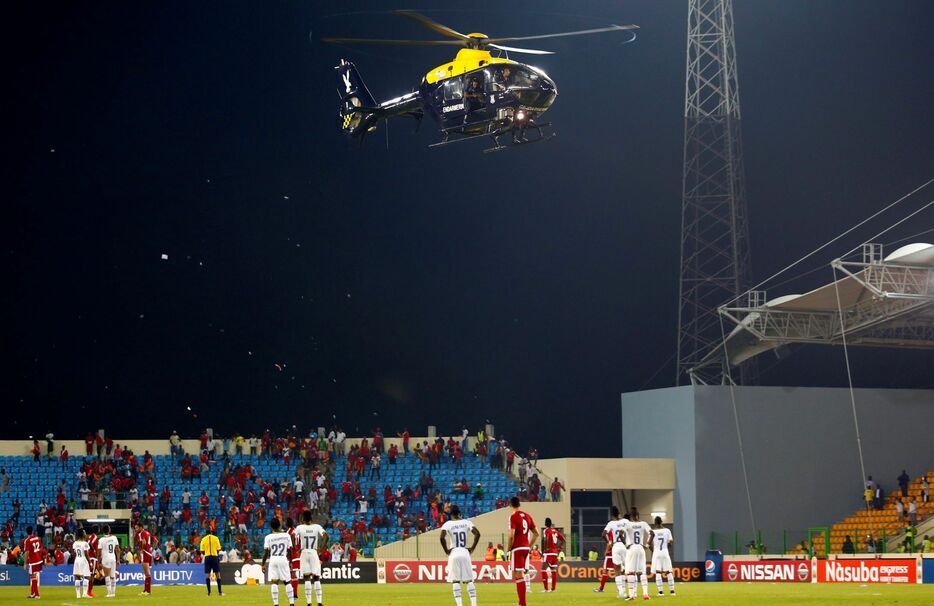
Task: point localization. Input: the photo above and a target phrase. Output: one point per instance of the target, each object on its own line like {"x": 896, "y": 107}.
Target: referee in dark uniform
{"x": 210, "y": 547}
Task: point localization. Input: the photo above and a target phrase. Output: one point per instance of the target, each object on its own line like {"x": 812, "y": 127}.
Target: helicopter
{"x": 476, "y": 95}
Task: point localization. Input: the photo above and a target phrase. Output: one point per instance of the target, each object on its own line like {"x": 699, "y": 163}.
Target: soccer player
{"x": 109, "y": 549}
{"x": 277, "y": 548}
{"x": 661, "y": 560}
{"x": 553, "y": 542}
{"x": 310, "y": 538}
{"x": 522, "y": 533}
{"x": 608, "y": 553}
{"x": 639, "y": 533}
{"x": 617, "y": 533}
{"x": 33, "y": 548}
{"x": 82, "y": 566}
{"x": 144, "y": 547}
{"x": 92, "y": 556}
{"x": 295, "y": 556}
{"x": 210, "y": 547}
{"x": 460, "y": 568}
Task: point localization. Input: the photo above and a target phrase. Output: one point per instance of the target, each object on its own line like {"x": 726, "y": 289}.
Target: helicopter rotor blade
{"x": 527, "y": 51}
{"x": 444, "y": 30}
{"x": 612, "y": 28}
{"x": 393, "y": 42}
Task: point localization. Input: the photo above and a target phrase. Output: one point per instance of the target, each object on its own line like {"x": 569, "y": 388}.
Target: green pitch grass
{"x": 708, "y": 594}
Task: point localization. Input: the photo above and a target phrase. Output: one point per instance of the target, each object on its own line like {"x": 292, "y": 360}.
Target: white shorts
{"x": 109, "y": 563}
{"x": 619, "y": 554}
{"x": 310, "y": 563}
{"x": 460, "y": 568}
{"x": 635, "y": 560}
{"x": 81, "y": 568}
{"x": 279, "y": 570}
{"x": 661, "y": 561}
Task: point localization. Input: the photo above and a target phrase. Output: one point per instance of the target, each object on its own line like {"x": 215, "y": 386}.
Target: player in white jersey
{"x": 82, "y": 565}
{"x": 617, "y": 536}
{"x": 277, "y": 547}
{"x": 108, "y": 548}
{"x": 639, "y": 534}
{"x": 661, "y": 560}
{"x": 454, "y": 542}
{"x": 310, "y": 538}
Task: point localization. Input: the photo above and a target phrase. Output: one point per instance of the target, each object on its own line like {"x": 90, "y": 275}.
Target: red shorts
{"x": 550, "y": 561}
{"x": 146, "y": 558}
{"x": 35, "y": 567}
{"x": 608, "y": 562}
{"x": 295, "y": 564}
{"x": 519, "y": 557}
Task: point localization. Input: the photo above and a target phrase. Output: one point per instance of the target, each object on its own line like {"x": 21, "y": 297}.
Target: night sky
{"x": 408, "y": 286}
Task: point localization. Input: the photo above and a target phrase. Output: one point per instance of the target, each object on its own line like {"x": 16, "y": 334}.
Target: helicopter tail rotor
{"x": 358, "y": 113}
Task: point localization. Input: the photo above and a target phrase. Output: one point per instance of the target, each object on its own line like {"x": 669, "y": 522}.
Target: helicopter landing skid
{"x": 519, "y": 138}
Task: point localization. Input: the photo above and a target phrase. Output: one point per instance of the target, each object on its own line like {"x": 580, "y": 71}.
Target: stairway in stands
{"x": 874, "y": 522}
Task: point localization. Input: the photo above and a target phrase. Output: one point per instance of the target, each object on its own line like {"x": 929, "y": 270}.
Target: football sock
{"x": 520, "y": 590}
{"x": 34, "y": 586}
{"x": 274, "y": 588}
{"x": 289, "y": 594}
{"x": 632, "y": 585}
{"x": 107, "y": 584}
{"x": 78, "y": 587}
{"x": 603, "y": 581}
{"x": 671, "y": 582}
{"x": 294, "y": 584}
{"x": 319, "y": 592}
{"x": 658, "y": 581}
{"x": 620, "y": 585}
{"x": 545, "y": 579}
{"x": 217, "y": 578}
{"x": 457, "y": 595}
{"x": 554, "y": 579}
{"x": 207, "y": 581}
{"x": 308, "y": 592}
{"x": 472, "y": 593}
{"x": 645, "y": 584}
{"x": 85, "y": 583}
{"x": 113, "y": 583}
{"x": 148, "y": 585}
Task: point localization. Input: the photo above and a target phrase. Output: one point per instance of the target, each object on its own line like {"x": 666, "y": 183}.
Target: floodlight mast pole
{"x": 714, "y": 233}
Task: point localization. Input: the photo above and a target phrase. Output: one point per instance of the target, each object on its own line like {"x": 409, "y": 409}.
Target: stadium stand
{"x": 882, "y": 524}
{"x": 31, "y": 484}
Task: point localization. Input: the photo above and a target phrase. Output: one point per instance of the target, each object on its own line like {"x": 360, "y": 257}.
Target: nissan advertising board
{"x": 771, "y": 571}
{"x": 499, "y": 572}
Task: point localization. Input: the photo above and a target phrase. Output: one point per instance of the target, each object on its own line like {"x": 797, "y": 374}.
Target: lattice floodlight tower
{"x": 714, "y": 233}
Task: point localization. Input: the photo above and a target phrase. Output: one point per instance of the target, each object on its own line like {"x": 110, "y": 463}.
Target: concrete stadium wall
{"x": 801, "y": 453}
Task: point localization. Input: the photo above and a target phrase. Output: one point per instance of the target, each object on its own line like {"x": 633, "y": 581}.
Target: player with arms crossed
{"x": 522, "y": 534}
{"x": 552, "y": 543}
{"x": 93, "y": 556}
{"x": 109, "y": 549}
{"x": 661, "y": 560}
{"x": 639, "y": 534}
{"x": 32, "y": 545}
{"x": 460, "y": 568}
{"x": 310, "y": 538}
{"x": 144, "y": 546}
{"x": 617, "y": 533}
{"x": 277, "y": 549}
{"x": 82, "y": 566}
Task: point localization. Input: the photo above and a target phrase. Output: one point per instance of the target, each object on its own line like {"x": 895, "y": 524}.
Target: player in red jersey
{"x": 295, "y": 557}
{"x": 33, "y": 548}
{"x": 522, "y": 533}
{"x": 552, "y": 543}
{"x": 608, "y": 554}
{"x": 144, "y": 546}
{"x": 92, "y": 558}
